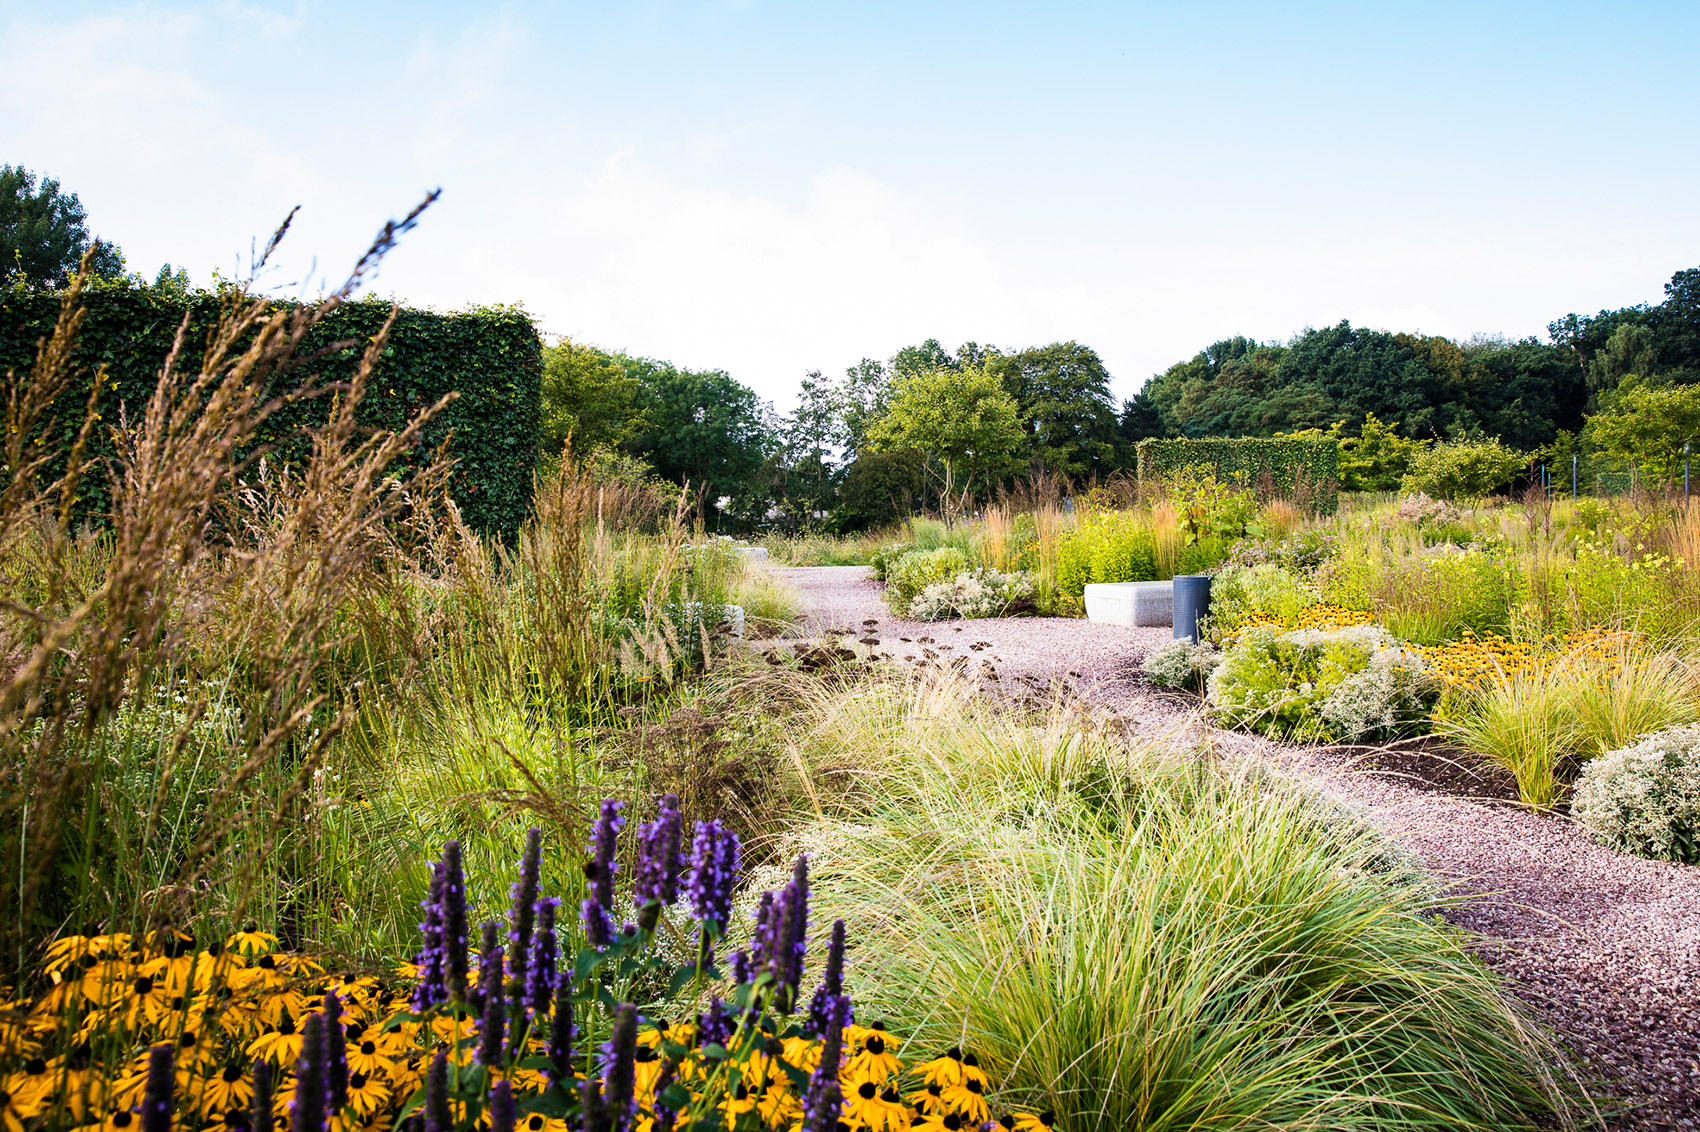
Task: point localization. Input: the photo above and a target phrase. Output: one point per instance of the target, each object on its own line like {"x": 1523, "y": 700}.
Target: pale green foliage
{"x": 1463, "y": 469}
{"x": 916, "y": 570}
{"x": 882, "y": 560}
{"x": 1645, "y": 799}
{"x": 1183, "y": 663}
{"x": 1238, "y": 591}
{"x": 983, "y": 592}
{"x": 965, "y": 418}
{"x": 1110, "y": 546}
{"x": 1327, "y": 685}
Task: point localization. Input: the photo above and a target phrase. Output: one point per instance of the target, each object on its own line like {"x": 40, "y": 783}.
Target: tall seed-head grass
{"x": 1625, "y": 693}
{"x": 1523, "y": 721}
{"x": 1139, "y": 941}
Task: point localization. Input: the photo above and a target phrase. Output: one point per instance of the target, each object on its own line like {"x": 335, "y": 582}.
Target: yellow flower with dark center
{"x": 877, "y": 1108}
{"x": 121, "y": 1121}
{"x": 944, "y": 1070}
{"x": 226, "y": 1089}
{"x": 969, "y": 1099}
{"x": 367, "y": 1093}
{"x": 146, "y": 1000}
{"x": 1027, "y": 1122}
{"x": 281, "y": 1046}
{"x": 537, "y": 1122}
{"x": 874, "y": 1060}
{"x": 31, "y": 1088}
{"x": 373, "y": 1051}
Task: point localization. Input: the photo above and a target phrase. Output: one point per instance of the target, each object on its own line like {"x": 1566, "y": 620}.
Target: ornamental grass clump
{"x": 1145, "y": 940}
{"x": 158, "y": 1032}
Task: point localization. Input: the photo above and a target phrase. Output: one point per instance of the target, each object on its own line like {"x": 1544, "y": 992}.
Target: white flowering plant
{"x": 1321, "y": 685}
{"x": 983, "y": 592}
{"x": 1181, "y": 664}
{"x": 1645, "y": 798}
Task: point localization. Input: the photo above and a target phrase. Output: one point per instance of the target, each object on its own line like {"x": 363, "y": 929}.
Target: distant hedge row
{"x": 1296, "y": 466}
{"x": 491, "y": 356}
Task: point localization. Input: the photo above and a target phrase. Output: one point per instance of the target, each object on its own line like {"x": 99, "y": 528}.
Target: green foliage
{"x": 1321, "y": 685}
{"x": 966, "y": 418}
{"x": 1647, "y": 426}
{"x": 882, "y": 560}
{"x": 44, "y": 233}
{"x": 489, "y": 357}
{"x": 1208, "y": 509}
{"x": 1109, "y": 546}
{"x": 1444, "y": 591}
{"x": 1236, "y": 592}
{"x": 705, "y": 429}
{"x": 1182, "y": 664}
{"x": 879, "y": 489}
{"x": 1377, "y": 458}
{"x": 1063, "y": 393}
{"x": 1463, "y": 469}
{"x": 1297, "y": 467}
{"x": 589, "y": 399}
{"x": 918, "y": 569}
{"x": 1645, "y": 798}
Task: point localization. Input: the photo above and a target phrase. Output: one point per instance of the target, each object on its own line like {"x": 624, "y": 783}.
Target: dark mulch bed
{"x": 1428, "y": 764}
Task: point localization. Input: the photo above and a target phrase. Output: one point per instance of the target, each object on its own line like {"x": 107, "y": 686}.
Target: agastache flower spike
{"x": 307, "y": 1109}
{"x": 790, "y": 939}
{"x": 454, "y": 921}
{"x": 715, "y": 1025}
{"x": 502, "y": 1107}
{"x": 714, "y": 870}
{"x": 261, "y": 1110}
{"x": 600, "y": 870}
{"x": 540, "y": 973}
{"x": 432, "y": 989}
{"x": 657, "y": 880}
{"x": 495, "y": 1010}
{"x": 524, "y": 912}
{"x": 561, "y": 1035}
{"x": 831, "y": 986}
{"x": 823, "y": 1103}
{"x": 437, "y": 1115}
{"x": 762, "y": 939}
{"x": 619, "y": 1067}
{"x": 336, "y": 1053}
{"x": 664, "y": 1114}
{"x": 157, "y": 1093}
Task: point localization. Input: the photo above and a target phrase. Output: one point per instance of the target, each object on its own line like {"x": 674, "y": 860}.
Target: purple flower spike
{"x": 823, "y": 1103}
{"x": 715, "y": 1025}
{"x": 437, "y": 1115}
{"x": 540, "y": 975}
{"x": 524, "y": 912}
{"x": 740, "y": 964}
{"x": 495, "y": 1009}
{"x": 600, "y": 870}
{"x": 157, "y": 1093}
{"x": 765, "y": 935}
{"x": 561, "y": 1035}
{"x": 261, "y": 1110}
{"x": 790, "y": 938}
{"x": 432, "y": 989}
{"x": 664, "y": 1114}
{"x": 454, "y": 921}
{"x": 657, "y": 881}
{"x": 336, "y": 1054}
{"x": 714, "y": 870}
{"x": 619, "y": 1068}
{"x": 502, "y": 1107}
{"x": 831, "y": 987}
{"x": 307, "y": 1109}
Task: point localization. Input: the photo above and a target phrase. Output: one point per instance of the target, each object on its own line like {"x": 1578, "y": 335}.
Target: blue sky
{"x": 772, "y": 188}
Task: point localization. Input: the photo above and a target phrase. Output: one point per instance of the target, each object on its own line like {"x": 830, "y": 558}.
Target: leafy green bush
{"x": 973, "y": 593}
{"x": 1236, "y": 592}
{"x": 1181, "y": 664}
{"x": 1321, "y": 685}
{"x": 1110, "y": 546}
{"x": 1645, "y": 798}
{"x": 882, "y": 559}
{"x": 1463, "y": 469}
{"x": 915, "y": 571}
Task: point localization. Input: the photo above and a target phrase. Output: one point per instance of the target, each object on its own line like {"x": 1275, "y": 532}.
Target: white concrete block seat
{"x": 1137, "y": 604}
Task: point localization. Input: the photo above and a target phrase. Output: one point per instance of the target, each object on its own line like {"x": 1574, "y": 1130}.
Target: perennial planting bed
{"x": 1605, "y": 947}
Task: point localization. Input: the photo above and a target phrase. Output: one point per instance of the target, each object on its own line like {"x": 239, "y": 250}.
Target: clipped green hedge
{"x": 491, "y": 356}
{"x": 1295, "y": 464}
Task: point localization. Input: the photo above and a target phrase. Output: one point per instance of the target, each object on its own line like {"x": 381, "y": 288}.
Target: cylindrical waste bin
{"x": 1192, "y": 601}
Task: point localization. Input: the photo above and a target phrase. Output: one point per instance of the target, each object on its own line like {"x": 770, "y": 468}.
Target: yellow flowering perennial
{"x": 77, "y": 1056}
{"x": 1473, "y": 658}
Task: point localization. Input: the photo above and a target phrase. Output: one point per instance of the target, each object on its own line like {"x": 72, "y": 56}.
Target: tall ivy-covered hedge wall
{"x": 1309, "y": 464}
{"x": 492, "y": 357}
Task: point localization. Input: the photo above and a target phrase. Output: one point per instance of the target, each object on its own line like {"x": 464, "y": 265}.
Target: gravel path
{"x": 1604, "y": 947}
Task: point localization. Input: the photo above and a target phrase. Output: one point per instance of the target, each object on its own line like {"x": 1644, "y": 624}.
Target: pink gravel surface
{"x": 1603, "y": 946}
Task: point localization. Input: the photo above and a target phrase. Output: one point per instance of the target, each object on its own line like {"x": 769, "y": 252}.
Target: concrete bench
{"x": 1140, "y": 604}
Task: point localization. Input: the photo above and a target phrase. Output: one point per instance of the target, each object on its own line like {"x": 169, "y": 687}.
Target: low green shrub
{"x": 973, "y": 593}
{"x": 915, "y": 571}
{"x": 881, "y": 560}
{"x": 1111, "y": 546}
{"x": 1236, "y": 592}
{"x": 1645, "y": 798}
{"x": 1321, "y": 685}
{"x": 1463, "y": 469}
{"x": 1181, "y": 664}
